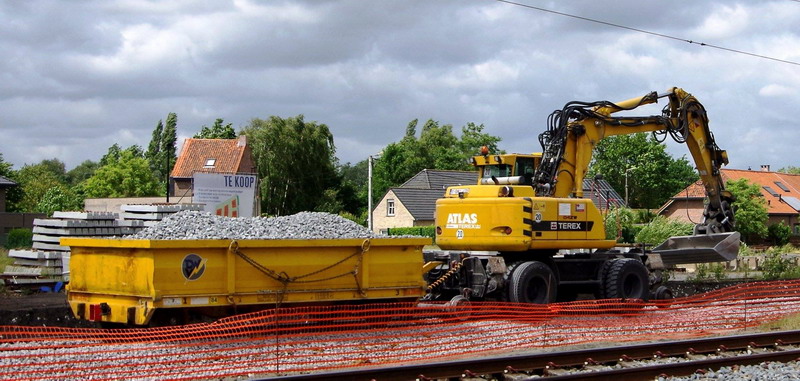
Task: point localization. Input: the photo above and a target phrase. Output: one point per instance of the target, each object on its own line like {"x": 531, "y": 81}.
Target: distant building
{"x": 780, "y": 190}
{"x": 602, "y": 194}
{"x": 212, "y": 156}
{"x": 414, "y": 202}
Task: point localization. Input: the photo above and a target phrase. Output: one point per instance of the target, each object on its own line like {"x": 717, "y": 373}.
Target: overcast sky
{"x": 79, "y": 76}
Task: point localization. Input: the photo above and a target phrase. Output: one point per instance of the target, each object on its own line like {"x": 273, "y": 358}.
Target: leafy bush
{"x": 785, "y": 249}
{"x": 777, "y": 267}
{"x": 619, "y": 224}
{"x": 59, "y": 198}
{"x": 779, "y": 233}
{"x": 706, "y": 271}
{"x": 644, "y": 216}
{"x": 19, "y": 238}
{"x": 662, "y": 228}
{"x": 751, "y": 209}
{"x": 422, "y": 231}
{"x": 361, "y": 220}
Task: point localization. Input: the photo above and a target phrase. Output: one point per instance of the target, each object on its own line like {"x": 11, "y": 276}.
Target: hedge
{"x": 19, "y": 238}
{"x": 422, "y": 231}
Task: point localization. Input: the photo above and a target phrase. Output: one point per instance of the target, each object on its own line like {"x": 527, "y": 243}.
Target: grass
{"x": 4, "y": 259}
{"x": 788, "y": 323}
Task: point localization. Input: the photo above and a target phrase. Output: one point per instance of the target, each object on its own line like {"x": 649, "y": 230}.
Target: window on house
{"x": 771, "y": 191}
{"x": 210, "y": 163}
{"x": 390, "y": 207}
{"x": 783, "y": 187}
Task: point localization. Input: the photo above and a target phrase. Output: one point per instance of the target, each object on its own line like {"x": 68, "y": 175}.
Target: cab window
{"x": 499, "y": 170}
{"x": 525, "y": 168}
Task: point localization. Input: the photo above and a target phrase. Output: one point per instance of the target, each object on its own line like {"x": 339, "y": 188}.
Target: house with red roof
{"x": 780, "y": 190}
{"x": 211, "y": 156}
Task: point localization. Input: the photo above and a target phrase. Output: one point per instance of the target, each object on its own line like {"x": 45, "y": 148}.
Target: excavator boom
{"x": 575, "y": 130}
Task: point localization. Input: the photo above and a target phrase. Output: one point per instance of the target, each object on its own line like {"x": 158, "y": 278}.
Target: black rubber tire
{"x": 626, "y": 279}
{"x": 664, "y": 294}
{"x": 601, "y": 294}
{"x": 531, "y": 282}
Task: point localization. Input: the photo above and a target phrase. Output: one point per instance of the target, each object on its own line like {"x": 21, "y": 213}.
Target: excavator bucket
{"x": 701, "y": 248}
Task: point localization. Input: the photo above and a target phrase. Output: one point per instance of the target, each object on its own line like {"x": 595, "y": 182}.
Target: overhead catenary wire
{"x": 649, "y": 32}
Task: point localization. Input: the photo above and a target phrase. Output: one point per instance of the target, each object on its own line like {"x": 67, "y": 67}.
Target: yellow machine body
{"x": 519, "y": 223}
{"x": 126, "y": 281}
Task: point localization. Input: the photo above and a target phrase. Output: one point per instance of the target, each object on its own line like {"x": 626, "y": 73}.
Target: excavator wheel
{"x": 531, "y": 282}
{"x": 626, "y": 278}
{"x": 601, "y": 292}
{"x": 663, "y": 295}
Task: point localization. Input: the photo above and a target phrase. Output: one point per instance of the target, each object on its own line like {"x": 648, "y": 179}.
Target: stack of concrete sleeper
{"x": 48, "y": 262}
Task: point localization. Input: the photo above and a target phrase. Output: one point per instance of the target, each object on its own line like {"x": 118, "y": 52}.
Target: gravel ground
{"x": 312, "y": 349}
{"x": 771, "y": 371}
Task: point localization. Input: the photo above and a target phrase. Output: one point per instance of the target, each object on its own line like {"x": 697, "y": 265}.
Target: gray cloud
{"x": 81, "y": 76}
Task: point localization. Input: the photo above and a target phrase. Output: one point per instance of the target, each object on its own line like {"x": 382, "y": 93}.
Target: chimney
{"x": 242, "y": 141}
{"x": 764, "y": 167}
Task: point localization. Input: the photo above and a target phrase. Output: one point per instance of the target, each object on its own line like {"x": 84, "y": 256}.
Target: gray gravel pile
{"x": 304, "y": 225}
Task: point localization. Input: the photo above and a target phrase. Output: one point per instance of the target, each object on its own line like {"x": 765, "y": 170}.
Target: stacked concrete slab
{"x": 151, "y": 214}
{"x": 48, "y": 261}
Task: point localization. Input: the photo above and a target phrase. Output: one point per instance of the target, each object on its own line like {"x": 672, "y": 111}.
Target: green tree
{"x": 619, "y": 224}
{"x": 56, "y": 167}
{"x": 153, "y": 153}
{"x": 790, "y": 170}
{"x": 440, "y": 147}
{"x": 653, "y": 175}
{"x": 295, "y": 162}
{"x": 126, "y": 174}
{"x": 112, "y": 155}
{"x": 473, "y": 138}
{"x": 82, "y": 172}
{"x": 161, "y": 151}
{"x": 436, "y": 148}
{"x": 13, "y": 194}
{"x": 169, "y": 140}
{"x": 59, "y": 198}
{"x": 34, "y": 181}
{"x": 355, "y": 183}
{"x": 750, "y": 209}
{"x": 661, "y": 228}
{"x": 779, "y": 233}
{"x": 217, "y": 131}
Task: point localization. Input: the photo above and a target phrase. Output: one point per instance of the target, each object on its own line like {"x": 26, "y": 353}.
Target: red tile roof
{"x": 762, "y": 178}
{"x": 228, "y": 155}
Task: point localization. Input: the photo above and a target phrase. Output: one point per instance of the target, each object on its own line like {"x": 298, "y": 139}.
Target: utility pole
{"x": 626, "y": 185}
{"x": 369, "y": 193}
{"x": 167, "y": 171}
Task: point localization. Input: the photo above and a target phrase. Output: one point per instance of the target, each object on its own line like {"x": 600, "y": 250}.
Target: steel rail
{"x": 573, "y": 358}
{"x": 683, "y": 368}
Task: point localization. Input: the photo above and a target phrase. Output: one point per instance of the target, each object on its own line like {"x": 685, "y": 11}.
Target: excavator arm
{"x": 574, "y": 131}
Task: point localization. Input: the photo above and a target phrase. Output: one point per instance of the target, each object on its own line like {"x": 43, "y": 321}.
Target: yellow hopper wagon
{"x": 138, "y": 282}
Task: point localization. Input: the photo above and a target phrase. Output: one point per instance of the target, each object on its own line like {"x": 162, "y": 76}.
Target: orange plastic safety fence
{"x": 313, "y": 339}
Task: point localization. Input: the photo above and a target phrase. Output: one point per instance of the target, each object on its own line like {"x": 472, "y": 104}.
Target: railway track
{"x": 628, "y": 362}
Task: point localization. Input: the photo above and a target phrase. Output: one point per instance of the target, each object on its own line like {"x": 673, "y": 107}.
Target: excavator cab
{"x": 504, "y": 169}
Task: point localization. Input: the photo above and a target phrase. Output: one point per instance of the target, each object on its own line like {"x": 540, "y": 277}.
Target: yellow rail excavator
{"x": 525, "y": 232}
